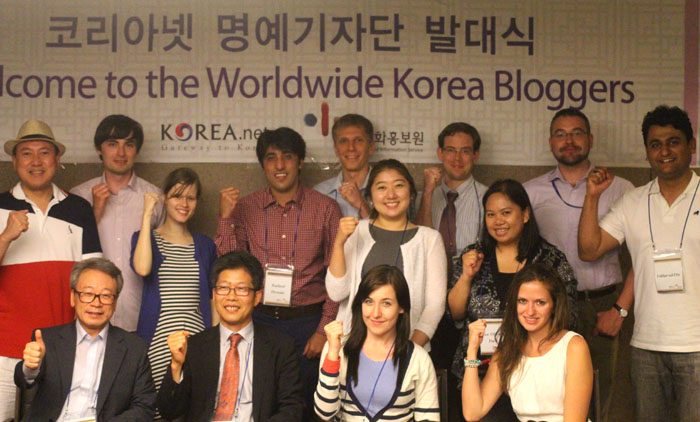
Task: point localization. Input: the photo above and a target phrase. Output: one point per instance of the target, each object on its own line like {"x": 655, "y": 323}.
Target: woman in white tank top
{"x": 545, "y": 369}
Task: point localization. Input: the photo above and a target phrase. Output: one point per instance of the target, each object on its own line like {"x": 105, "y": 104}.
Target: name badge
{"x": 668, "y": 270}
{"x": 490, "y": 342}
{"x": 278, "y": 285}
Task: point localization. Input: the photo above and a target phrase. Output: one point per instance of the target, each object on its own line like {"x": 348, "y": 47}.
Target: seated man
{"x": 88, "y": 370}
{"x": 239, "y": 370}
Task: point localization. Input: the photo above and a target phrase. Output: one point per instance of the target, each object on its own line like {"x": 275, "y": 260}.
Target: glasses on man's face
{"x": 241, "y": 291}
{"x": 104, "y": 298}
{"x": 561, "y": 135}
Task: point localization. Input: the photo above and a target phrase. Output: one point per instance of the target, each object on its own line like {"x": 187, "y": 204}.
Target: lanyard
{"x": 398, "y": 252}
{"x": 562, "y": 199}
{"x": 371, "y": 396}
{"x": 483, "y": 278}
{"x": 296, "y": 232}
{"x": 245, "y": 373}
{"x": 651, "y": 233}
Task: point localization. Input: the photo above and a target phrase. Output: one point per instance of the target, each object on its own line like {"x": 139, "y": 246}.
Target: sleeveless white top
{"x": 536, "y": 387}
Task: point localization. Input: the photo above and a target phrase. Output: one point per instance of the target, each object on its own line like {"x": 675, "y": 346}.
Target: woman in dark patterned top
{"x": 510, "y": 240}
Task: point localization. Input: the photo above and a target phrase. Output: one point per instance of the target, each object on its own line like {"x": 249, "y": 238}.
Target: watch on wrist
{"x": 623, "y": 312}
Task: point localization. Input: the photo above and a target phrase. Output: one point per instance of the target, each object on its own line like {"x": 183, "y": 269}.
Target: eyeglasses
{"x": 241, "y": 291}
{"x": 453, "y": 151}
{"x": 561, "y": 135}
{"x": 104, "y": 298}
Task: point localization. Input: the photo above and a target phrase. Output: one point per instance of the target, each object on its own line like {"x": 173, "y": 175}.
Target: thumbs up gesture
{"x": 34, "y": 351}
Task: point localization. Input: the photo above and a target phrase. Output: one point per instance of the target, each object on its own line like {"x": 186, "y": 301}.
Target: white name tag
{"x": 668, "y": 270}
{"x": 490, "y": 343}
{"x": 278, "y": 285}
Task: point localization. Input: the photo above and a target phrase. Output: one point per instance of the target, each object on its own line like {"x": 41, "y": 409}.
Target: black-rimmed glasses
{"x": 88, "y": 297}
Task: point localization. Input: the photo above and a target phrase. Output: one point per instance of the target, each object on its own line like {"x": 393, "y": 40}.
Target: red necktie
{"x": 448, "y": 225}
{"x": 229, "y": 382}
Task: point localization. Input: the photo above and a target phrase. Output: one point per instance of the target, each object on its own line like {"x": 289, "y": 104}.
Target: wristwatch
{"x": 623, "y": 312}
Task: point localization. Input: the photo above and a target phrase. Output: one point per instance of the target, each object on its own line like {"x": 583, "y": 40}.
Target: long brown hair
{"x": 512, "y": 336}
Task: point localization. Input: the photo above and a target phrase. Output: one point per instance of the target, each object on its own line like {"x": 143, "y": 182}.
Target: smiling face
{"x": 180, "y": 202}
{"x": 570, "y": 141}
{"x": 535, "y": 307}
{"x": 281, "y": 170}
{"x": 458, "y": 158}
{"x": 118, "y": 155}
{"x": 93, "y": 316}
{"x": 505, "y": 219}
{"x": 35, "y": 163}
{"x": 235, "y": 311}
{"x": 380, "y": 311}
{"x": 391, "y": 195}
{"x": 353, "y": 147}
{"x": 669, "y": 152}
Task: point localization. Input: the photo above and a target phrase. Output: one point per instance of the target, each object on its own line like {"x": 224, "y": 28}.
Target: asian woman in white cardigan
{"x": 388, "y": 237}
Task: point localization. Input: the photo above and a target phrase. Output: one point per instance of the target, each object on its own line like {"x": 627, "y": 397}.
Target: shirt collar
{"x": 298, "y": 199}
{"x": 131, "y": 184}
{"x": 339, "y": 180}
{"x": 687, "y": 191}
{"x": 556, "y": 174}
{"x": 461, "y": 189}
{"x": 247, "y": 333}
{"x": 58, "y": 193}
{"x": 81, "y": 333}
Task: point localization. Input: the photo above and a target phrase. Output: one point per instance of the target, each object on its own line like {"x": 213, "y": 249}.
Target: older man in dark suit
{"x": 88, "y": 369}
{"x": 237, "y": 370}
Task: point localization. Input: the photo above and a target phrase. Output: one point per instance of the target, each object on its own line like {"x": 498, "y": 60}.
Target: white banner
{"x": 205, "y": 77}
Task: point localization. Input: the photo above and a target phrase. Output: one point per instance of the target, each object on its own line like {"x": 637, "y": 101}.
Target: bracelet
{"x": 472, "y": 363}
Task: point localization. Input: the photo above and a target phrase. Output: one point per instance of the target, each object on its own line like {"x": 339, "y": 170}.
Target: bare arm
{"x": 478, "y": 399}
{"x": 431, "y": 177}
{"x": 610, "y": 322}
{"x": 579, "y": 381}
{"x": 143, "y": 252}
{"x": 593, "y": 241}
{"x": 17, "y": 223}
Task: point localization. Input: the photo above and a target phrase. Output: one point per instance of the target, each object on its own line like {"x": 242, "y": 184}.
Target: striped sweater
{"x": 417, "y": 399}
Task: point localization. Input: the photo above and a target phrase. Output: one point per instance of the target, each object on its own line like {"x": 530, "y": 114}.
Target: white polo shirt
{"x": 670, "y": 321}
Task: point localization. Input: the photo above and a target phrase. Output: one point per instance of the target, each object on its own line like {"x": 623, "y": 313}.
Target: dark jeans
{"x": 300, "y": 329}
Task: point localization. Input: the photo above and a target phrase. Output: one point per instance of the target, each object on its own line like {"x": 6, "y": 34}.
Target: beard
{"x": 571, "y": 160}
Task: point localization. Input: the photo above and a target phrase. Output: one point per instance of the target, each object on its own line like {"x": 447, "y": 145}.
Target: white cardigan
{"x": 424, "y": 266}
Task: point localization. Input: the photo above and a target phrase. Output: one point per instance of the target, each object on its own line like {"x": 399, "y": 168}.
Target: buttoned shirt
{"x": 245, "y": 377}
{"x": 121, "y": 218}
{"x": 331, "y": 187}
{"x": 557, "y": 208}
{"x": 300, "y": 233}
{"x": 668, "y": 321}
{"x": 470, "y": 214}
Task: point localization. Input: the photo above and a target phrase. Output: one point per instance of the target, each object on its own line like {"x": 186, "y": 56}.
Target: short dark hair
{"x": 103, "y": 265}
{"x": 664, "y": 115}
{"x": 183, "y": 175}
{"x": 119, "y": 126}
{"x": 570, "y": 112}
{"x": 354, "y": 120}
{"x": 391, "y": 164}
{"x": 238, "y": 260}
{"x": 460, "y": 127}
{"x": 284, "y": 138}
{"x": 530, "y": 237}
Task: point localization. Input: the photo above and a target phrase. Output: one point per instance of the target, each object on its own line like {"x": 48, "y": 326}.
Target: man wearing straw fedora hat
{"x": 43, "y": 232}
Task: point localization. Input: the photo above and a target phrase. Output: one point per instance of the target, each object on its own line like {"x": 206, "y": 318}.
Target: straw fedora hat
{"x": 33, "y": 130}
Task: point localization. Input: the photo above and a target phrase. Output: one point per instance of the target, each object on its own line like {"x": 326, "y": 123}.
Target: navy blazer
{"x": 276, "y": 383}
{"x": 126, "y": 390}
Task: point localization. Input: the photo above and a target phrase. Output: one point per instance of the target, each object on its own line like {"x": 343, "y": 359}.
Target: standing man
{"x": 290, "y": 229}
{"x": 557, "y": 198}
{"x": 88, "y": 369}
{"x": 661, "y": 224}
{"x": 43, "y": 232}
{"x": 258, "y": 362}
{"x": 451, "y": 203}
{"x": 117, "y": 202}
{"x": 353, "y": 143}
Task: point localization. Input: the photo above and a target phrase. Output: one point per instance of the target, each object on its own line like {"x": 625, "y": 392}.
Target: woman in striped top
{"x": 379, "y": 374}
{"x": 175, "y": 264}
